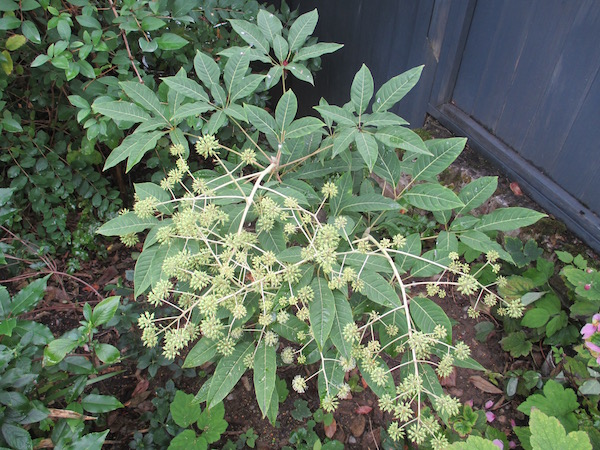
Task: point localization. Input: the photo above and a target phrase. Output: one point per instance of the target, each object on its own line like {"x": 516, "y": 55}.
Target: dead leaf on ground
{"x": 484, "y": 385}
{"x": 450, "y": 380}
{"x": 514, "y": 186}
{"x": 67, "y": 414}
{"x": 330, "y": 429}
{"x": 364, "y": 409}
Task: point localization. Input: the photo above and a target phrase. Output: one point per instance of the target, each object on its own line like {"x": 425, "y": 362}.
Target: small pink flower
{"x": 489, "y": 404}
{"x": 469, "y": 403}
{"x": 490, "y": 416}
{"x": 592, "y": 347}
{"x": 588, "y": 330}
{"x": 598, "y": 360}
{"x": 498, "y": 443}
{"x": 596, "y": 319}
{"x": 512, "y": 444}
{"x": 587, "y": 287}
{"x": 513, "y": 423}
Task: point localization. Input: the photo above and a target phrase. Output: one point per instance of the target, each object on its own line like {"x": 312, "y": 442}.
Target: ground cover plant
{"x": 308, "y": 254}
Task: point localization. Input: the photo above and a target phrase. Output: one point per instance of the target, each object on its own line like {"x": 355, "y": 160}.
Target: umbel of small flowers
{"x": 220, "y": 279}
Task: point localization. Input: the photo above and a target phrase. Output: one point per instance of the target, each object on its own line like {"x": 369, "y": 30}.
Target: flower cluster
{"x": 591, "y": 335}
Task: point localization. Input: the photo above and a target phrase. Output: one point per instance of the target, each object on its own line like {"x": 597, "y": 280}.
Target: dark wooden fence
{"x": 519, "y": 78}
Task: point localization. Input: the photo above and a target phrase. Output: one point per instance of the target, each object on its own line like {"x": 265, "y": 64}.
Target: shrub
{"x": 286, "y": 250}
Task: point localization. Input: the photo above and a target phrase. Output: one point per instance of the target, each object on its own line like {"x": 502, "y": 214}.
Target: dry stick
{"x": 114, "y": 10}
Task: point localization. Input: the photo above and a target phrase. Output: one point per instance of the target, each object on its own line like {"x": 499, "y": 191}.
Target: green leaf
{"x": 100, "y": 403}
{"x": 244, "y": 87}
{"x": 251, "y": 34}
{"x": 56, "y": 351}
{"x": 191, "y": 109}
{"x": 204, "y": 350}
{"x": 149, "y": 266}
{"x": 547, "y": 433}
{"x": 151, "y": 23}
{"x": 331, "y": 378}
{"x": 286, "y": 109}
{"x": 265, "y": 367}
{"x": 483, "y": 243}
{"x": 105, "y": 310}
{"x": 16, "y": 437}
{"x": 432, "y": 197}
{"x": 262, "y": 120}
{"x": 15, "y": 42}
{"x": 108, "y": 354}
{"x": 184, "y": 409}
{"x": 378, "y": 290}
{"x": 367, "y": 203}
{"x": 535, "y": 318}
{"x": 316, "y": 50}
{"x": 281, "y": 48}
{"x": 31, "y": 32}
{"x": 301, "y": 72}
{"x": 88, "y": 22}
{"x": 212, "y": 423}
{"x": 379, "y": 390}
{"x": 273, "y": 240}
{"x": 9, "y": 23}
{"x": 90, "y": 441}
{"x": 556, "y": 401}
{"x": 508, "y": 219}
{"x": 473, "y": 443}
{"x": 337, "y": 114}
{"x": 187, "y": 87}
{"x": 170, "y": 41}
{"x": 375, "y": 263}
{"x": 121, "y": 111}
{"x": 302, "y": 28}
{"x": 145, "y": 97}
{"x": 303, "y": 127}
{"x": 517, "y": 344}
{"x": 269, "y": 25}
{"x": 206, "y": 69}
{"x": 133, "y": 148}
{"x": 476, "y": 193}
{"x": 367, "y": 147}
{"x": 228, "y": 372}
{"x": 187, "y": 440}
{"x": 125, "y": 224}
{"x": 362, "y": 89}
{"x": 342, "y": 139}
{"x": 442, "y": 153}
{"x": 395, "y": 89}
{"x": 148, "y": 190}
{"x": 403, "y": 138}
{"x": 383, "y": 119}
{"x": 235, "y": 70}
{"x": 322, "y": 311}
{"x": 342, "y": 317}
{"x": 426, "y": 315}
{"x": 26, "y": 299}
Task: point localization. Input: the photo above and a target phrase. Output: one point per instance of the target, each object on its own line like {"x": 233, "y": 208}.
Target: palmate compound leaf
{"x": 547, "y": 433}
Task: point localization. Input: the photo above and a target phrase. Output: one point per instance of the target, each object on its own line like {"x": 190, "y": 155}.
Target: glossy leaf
{"x": 316, "y": 50}
{"x": 395, "y": 89}
{"x": 269, "y": 24}
{"x": 204, "y": 350}
{"x": 105, "y": 310}
{"x": 251, "y": 34}
{"x": 367, "y": 147}
{"x": 362, "y": 89}
{"x": 286, "y": 109}
{"x": 100, "y": 403}
{"x": 302, "y": 28}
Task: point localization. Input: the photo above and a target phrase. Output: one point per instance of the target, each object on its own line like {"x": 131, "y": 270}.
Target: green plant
{"x": 47, "y": 399}
{"x": 583, "y": 283}
{"x": 291, "y": 238}
{"x": 185, "y": 411}
{"x": 58, "y": 58}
